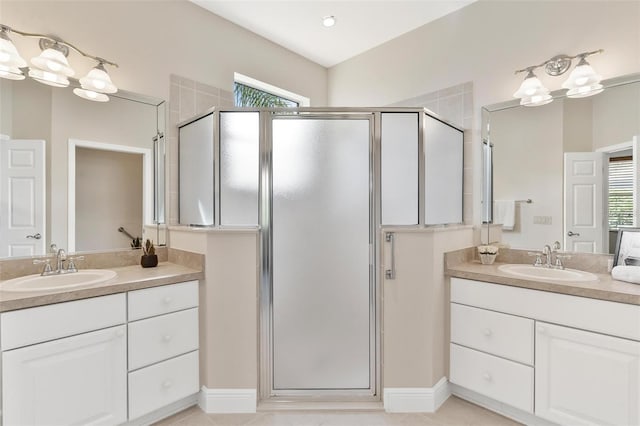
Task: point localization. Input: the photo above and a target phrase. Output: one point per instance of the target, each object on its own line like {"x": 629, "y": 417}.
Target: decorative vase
{"x": 149, "y": 260}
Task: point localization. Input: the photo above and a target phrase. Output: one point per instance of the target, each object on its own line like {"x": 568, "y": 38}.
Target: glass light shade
{"x": 581, "y": 76}
{"x": 11, "y": 73}
{"x": 97, "y": 80}
{"x": 584, "y": 91}
{"x": 531, "y": 86}
{"x": 54, "y": 61}
{"x": 49, "y": 78}
{"x": 91, "y": 95}
{"x": 536, "y": 100}
{"x": 9, "y": 54}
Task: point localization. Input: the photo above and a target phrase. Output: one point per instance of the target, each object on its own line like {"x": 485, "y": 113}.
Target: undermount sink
{"x": 542, "y": 273}
{"x": 38, "y": 282}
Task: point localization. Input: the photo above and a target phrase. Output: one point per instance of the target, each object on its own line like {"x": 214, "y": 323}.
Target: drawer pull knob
{"x": 167, "y": 300}
{"x": 167, "y": 338}
{"x": 487, "y": 377}
{"x": 167, "y": 384}
{"x": 487, "y": 332}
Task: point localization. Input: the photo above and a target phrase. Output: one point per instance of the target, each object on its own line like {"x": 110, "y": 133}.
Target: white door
{"x": 22, "y": 197}
{"x": 584, "y": 229}
{"x": 77, "y": 380}
{"x": 585, "y": 378}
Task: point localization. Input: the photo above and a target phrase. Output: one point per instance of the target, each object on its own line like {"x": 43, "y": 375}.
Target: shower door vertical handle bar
{"x": 390, "y": 274}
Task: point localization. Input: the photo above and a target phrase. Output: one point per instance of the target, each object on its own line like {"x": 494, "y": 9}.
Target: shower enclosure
{"x": 320, "y": 183}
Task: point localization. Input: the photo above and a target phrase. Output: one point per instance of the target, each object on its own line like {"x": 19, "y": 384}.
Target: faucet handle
{"x": 71, "y": 265}
{"x": 538, "y": 255}
{"x": 47, "y": 265}
{"x": 559, "y": 257}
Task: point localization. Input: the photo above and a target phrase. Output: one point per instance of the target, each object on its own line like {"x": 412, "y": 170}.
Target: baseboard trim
{"x": 501, "y": 408}
{"x": 228, "y": 400}
{"x": 416, "y": 400}
{"x": 164, "y": 412}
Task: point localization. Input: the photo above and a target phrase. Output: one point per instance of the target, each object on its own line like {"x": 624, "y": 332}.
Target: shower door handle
{"x": 390, "y": 274}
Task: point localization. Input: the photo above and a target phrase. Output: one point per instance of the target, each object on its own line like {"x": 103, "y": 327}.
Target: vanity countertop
{"x": 606, "y": 288}
{"x": 129, "y": 278}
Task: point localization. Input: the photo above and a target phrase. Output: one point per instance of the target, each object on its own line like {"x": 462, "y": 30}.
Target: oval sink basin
{"x": 57, "y": 282}
{"x": 542, "y": 273}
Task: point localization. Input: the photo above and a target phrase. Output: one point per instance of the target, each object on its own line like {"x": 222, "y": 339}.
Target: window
{"x": 249, "y": 92}
{"x": 620, "y": 192}
{"x": 247, "y": 96}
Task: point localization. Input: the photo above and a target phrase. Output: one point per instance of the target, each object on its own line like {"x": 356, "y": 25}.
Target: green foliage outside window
{"x": 247, "y": 96}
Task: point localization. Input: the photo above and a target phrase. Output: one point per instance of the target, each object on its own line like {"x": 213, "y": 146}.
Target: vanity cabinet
{"x": 101, "y": 361}
{"x": 566, "y": 359}
{"x": 52, "y": 379}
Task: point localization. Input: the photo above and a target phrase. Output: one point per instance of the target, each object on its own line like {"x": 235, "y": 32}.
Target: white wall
{"x": 484, "y": 43}
{"x": 152, "y": 39}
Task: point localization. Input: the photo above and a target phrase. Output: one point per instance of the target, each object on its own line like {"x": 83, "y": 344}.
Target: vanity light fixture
{"x": 329, "y": 21}
{"x": 583, "y": 80}
{"x": 51, "y": 67}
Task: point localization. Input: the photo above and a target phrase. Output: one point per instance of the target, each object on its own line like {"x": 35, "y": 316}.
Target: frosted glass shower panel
{"x": 321, "y": 231}
{"x": 196, "y": 172}
{"x": 399, "y": 168}
{"x": 443, "y": 172}
{"x": 239, "y": 167}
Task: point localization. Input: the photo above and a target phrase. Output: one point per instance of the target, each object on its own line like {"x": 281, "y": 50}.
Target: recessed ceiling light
{"x": 329, "y": 21}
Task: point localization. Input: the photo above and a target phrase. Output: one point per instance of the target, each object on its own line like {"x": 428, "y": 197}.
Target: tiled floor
{"x": 454, "y": 412}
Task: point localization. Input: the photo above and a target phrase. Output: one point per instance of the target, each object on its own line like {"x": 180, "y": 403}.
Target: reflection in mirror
{"x": 576, "y": 159}
{"x": 74, "y": 171}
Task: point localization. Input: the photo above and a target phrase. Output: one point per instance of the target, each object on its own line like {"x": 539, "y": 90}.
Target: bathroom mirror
{"x": 83, "y": 175}
{"x": 570, "y": 167}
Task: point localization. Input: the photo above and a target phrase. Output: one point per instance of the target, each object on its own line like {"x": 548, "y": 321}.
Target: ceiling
{"x": 360, "y": 24}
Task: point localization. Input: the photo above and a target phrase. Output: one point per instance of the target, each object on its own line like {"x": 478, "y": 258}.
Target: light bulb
{"x": 329, "y": 21}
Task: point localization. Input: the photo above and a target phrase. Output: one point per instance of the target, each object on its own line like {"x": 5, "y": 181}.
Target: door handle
{"x": 35, "y": 236}
{"x": 390, "y": 274}
{"x": 573, "y": 234}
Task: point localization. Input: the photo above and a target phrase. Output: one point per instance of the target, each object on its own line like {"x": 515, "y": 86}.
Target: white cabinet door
{"x": 585, "y": 378}
{"x": 76, "y": 380}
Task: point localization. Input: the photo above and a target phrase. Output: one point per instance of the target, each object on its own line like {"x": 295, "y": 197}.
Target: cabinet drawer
{"x": 154, "y": 301}
{"x": 43, "y": 323}
{"x": 499, "y": 334}
{"x": 497, "y": 378}
{"x": 161, "y": 384}
{"x": 156, "y": 339}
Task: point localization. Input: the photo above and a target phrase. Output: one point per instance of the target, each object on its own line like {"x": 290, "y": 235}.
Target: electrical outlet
{"x": 542, "y": 220}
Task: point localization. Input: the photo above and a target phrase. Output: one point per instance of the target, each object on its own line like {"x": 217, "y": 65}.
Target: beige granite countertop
{"x": 606, "y": 288}
{"x": 129, "y": 278}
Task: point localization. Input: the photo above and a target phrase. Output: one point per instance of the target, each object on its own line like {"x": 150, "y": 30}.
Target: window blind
{"x": 620, "y": 192}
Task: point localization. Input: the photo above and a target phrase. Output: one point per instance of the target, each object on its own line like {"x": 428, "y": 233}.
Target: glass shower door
{"x": 322, "y": 277}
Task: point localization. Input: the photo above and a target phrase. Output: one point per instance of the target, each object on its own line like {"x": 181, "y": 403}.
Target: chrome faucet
{"x": 548, "y": 251}
{"x": 61, "y": 256}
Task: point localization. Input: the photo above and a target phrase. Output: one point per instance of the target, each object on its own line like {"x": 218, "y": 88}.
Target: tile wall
{"x": 187, "y": 98}
{"x": 454, "y": 104}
